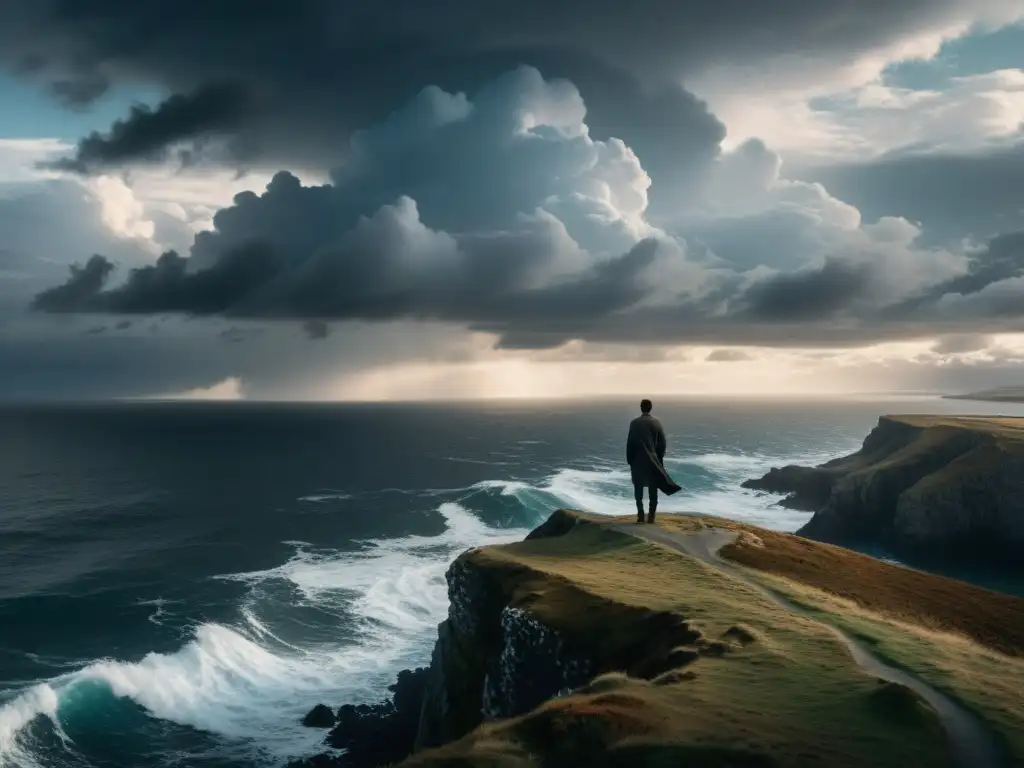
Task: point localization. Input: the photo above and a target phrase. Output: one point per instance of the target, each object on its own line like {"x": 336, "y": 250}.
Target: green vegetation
{"x": 912, "y": 597}
{"x": 1002, "y": 426}
{"x": 963, "y": 640}
{"x": 711, "y": 672}
{"x": 929, "y": 487}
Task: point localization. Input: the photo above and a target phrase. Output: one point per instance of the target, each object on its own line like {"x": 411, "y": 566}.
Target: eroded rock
{"x": 320, "y": 716}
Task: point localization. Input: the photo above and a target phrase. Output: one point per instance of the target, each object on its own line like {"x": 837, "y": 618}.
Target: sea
{"x": 181, "y": 582}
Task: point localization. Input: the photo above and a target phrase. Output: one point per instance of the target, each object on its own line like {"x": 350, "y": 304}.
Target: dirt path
{"x": 973, "y": 744}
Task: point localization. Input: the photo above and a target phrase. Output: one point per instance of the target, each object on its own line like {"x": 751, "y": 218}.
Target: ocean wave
{"x": 724, "y": 462}
{"x": 220, "y": 682}
{"x": 247, "y": 683}
{"x": 38, "y": 701}
{"x": 252, "y": 682}
{"x": 710, "y": 485}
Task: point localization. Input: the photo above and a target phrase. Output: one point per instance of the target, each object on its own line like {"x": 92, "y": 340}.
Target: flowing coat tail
{"x": 645, "y": 454}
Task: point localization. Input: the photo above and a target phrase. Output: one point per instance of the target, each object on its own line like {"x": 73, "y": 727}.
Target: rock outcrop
{"x": 942, "y": 487}
{"x": 585, "y": 645}
{"x": 320, "y": 716}
{"x": 371, "y": 734}
{"x": 496, "y": 658}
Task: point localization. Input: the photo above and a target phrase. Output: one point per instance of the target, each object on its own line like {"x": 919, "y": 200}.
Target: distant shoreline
{"x": 1007, "y": 395}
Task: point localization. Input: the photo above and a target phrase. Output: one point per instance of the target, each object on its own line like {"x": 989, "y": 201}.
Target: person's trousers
{"x": 638, "y": 494}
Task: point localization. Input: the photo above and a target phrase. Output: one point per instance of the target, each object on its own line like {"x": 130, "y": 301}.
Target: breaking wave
{"x": 376, "y": 607}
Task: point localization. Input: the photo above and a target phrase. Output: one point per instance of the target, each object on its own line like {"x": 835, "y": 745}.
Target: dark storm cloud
{"x": 80, "y": 92}
{"x": 499, "y": 212}
{"x": 82, "y": 367}
{"x": 600, "y": 304}
{"x": 1002, "y": 259}
{"x": 237, "y": 335}
{"x": 331, "y": 66}
{"x": 727, "y": 356}
{"x": 146, "y": 134}
{"x": 164, "y": 286}
{"x": 979, "y": 193}
{"x": 535, "y": 236}
{"x": 316, "y": 329}
{"x": 367, "y": 278}
{"x": 807, "y": 295}
{"x": 958, "y": 344}
{"x": 82, "y": 285}
{"x": 49, "y": 358}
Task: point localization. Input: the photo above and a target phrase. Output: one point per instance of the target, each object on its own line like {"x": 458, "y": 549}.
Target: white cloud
{"x": 228, "y": 389}
{"x": 509, "y": 191}
{"x": 772, "y": 99}
{"x": 755, "y": 220}
{"x": 120, "y": 210}
{"x": 970, "y": 114}
{"x": 18, "y": 158}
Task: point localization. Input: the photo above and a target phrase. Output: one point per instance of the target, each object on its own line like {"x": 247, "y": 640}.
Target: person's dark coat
{"x": 645, "y": 454}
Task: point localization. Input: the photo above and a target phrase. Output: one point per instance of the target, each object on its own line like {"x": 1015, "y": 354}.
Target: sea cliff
{"x": 949, "y": 488}
{"x": 587, "y": 645}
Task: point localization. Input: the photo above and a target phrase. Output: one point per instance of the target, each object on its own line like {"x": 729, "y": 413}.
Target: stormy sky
{"x": 336, "y": 199}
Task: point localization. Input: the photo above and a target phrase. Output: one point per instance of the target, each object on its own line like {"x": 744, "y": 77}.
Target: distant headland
{"x": 998, "y": 395}
{"x": 940, "y": 487}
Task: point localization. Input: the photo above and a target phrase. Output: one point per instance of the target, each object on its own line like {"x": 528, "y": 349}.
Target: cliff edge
{"x": 933, "y": 486}
{"x": 588, "y": 645}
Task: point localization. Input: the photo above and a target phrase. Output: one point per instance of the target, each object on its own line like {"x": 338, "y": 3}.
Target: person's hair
{"x": 646, "y": 405}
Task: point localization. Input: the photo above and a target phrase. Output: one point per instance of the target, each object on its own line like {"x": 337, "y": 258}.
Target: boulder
{"x": 320, "y": 716}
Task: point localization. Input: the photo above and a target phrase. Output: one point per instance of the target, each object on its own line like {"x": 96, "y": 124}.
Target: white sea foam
{"x": 37, "y": 701}
{"x": 227, "y": 680}
{"x": 329, "y": 495}
{"x": 159, "y": 613}
{"x": 506, "y": 487}
{"x": 609, "y": 490}
{"x": 724, "y": 462}
{"x": 248, "y": 683}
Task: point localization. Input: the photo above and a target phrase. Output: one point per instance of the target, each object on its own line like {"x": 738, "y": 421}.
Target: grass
{"x": 753, "y": 684}
{"x": 983, "y": 680}
{"x": 1001, "y": 426}
{"x": 934, "y": 602}
{"x": 963, "y": 640}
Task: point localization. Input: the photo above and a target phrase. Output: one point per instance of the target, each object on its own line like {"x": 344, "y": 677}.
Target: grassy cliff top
{"x": 1001, "y": 426}
{"x": 963, "y": 640}
{"x": 753, "y": 685}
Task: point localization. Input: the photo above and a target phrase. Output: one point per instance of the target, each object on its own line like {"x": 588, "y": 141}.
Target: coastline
{"x": 554, "y": 632}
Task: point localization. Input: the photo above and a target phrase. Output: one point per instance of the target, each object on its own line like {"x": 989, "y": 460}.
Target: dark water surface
{"x": 180, "y": 582}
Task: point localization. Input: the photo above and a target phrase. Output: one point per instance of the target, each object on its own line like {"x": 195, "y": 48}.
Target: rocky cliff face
{"x": 933, "y": 487}
{"x": 496, "y": 657}
{"x": 492, "y": 659}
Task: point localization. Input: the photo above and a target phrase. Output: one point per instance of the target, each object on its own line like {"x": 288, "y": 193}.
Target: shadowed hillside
{"x": 942, "y": 488}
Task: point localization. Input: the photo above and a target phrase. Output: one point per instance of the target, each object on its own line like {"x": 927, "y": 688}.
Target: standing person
{"x": 645, "y": 454}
